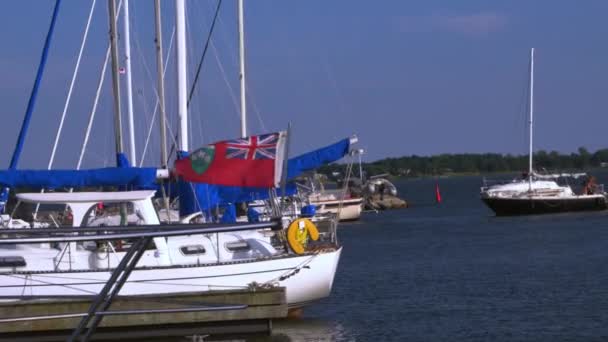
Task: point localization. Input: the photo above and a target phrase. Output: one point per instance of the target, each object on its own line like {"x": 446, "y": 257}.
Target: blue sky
{"x": 408, "y": 77}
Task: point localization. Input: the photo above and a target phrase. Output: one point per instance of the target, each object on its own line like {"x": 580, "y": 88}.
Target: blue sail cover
{"x": 122, "y": 160}
{"x": 143, "y": 178}
{"x": 314, "y": 159}
{"x": 202, "y": 197}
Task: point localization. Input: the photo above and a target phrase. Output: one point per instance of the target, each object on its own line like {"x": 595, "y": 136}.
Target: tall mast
{"x": 160, "y": 85}
{"x": 242, "y": 69}
{"x": 34, "y": 94}
{"x": 127, "y": 44}
{"x": 120, "y": 157}
{"x": 115, "y": 80}
{"x": 182, "y": 82}
{"x": 530, "y": 170}
{"x": 160, "y": 69}
{"x": 31, "y": 103}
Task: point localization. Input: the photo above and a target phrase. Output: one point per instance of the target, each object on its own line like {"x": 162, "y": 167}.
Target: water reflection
{"x": 292, "y": 330}
{"x": 309, "y": 329}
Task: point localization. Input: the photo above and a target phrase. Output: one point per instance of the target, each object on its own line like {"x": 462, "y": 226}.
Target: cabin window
{"x": 238, "y": 246}
{"x": 12, "y": 261}
{"x": 192, "y": 250}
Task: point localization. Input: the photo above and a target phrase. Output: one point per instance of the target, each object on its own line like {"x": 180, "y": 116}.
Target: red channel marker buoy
{"x": 437, "y": 193}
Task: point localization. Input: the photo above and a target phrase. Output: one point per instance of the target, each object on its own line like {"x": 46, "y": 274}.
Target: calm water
{"x": 455, "y": 272}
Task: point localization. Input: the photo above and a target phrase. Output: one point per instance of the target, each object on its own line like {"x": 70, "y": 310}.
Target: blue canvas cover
{"x": 122, "y": 160}
{"x": 229, "y": 215}
{"x": 191, "y": 194}
{"x": 143, "y": 178}
{"x": 203, "y": 197}
{"x": 314, "y": 159}
{"x": 197, "y": 197}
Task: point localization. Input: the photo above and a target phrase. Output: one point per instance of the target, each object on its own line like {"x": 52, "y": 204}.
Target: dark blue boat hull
{"x": 527, "y": 206}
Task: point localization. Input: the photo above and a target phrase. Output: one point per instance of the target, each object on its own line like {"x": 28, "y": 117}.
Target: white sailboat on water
{"x": 191, "y": 263}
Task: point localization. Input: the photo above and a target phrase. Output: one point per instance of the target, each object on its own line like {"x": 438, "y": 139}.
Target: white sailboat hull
{"x": 307, "y": 278}
{"x": 350, "y": 210}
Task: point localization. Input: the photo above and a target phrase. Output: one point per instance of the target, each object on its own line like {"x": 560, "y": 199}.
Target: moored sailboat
{"x": 540, "y": 194}
{"x": 262, "y": 256}
{"x": 179, "y": 264}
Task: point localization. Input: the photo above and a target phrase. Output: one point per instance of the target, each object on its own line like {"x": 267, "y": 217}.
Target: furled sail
{"x": 142, "y": 178}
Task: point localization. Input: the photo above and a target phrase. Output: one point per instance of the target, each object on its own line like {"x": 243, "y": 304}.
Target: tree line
{"x": 414, "y": 165}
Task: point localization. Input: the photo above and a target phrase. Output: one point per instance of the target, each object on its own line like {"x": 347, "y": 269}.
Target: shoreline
{"x": 488, "y": 174}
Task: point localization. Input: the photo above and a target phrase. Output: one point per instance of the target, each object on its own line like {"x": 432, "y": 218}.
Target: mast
{"x": 127, "y": 45}
{"x": 120, "y": 157}
{"x": 31, "y": 103}
{"x": 161, "y": 85}
{"x": 242, "y": 69}
{"x": 115, "y": 81}
{"x": 182, "y": 82}
{"x": 188, "y": 201}
{"x": 360, "y": 153}
{"x": 530, "y": 170}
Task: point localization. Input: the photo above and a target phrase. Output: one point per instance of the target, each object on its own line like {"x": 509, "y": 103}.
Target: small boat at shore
{"x": 333, "y": 201}
{"x": 341, "y": 202}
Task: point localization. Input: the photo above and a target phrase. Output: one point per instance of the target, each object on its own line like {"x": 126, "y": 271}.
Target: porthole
{"x": 12, "y": 261}
{"x": 238, "y": 246}
{"x": 192, "y": 250}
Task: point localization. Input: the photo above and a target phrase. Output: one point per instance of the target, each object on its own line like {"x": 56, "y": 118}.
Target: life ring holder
{"x": 298, "y": 232}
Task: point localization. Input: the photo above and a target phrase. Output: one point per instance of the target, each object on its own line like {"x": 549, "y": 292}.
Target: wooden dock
{"x": 146, "y": 316}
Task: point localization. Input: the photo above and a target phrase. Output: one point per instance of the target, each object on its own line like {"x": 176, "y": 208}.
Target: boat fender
{"x": 298, "y": 232}
{"x": 371, "y": 188}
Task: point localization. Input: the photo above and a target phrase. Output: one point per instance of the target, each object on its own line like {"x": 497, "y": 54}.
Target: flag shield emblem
{"x": 202, "y": 158}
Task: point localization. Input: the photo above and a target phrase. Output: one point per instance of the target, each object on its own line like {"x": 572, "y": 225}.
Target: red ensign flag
{"x": 255, "y": 161}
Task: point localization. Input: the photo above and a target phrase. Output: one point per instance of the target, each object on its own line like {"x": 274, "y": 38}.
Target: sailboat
{"x": 536, "y": 193}
{"x": 204, "y": 262}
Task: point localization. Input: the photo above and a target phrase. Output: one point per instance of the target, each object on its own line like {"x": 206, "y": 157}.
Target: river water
{"x": 455, "y": 272}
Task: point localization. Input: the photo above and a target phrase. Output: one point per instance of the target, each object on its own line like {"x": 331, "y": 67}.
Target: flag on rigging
{"x": 255, "y": 161}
